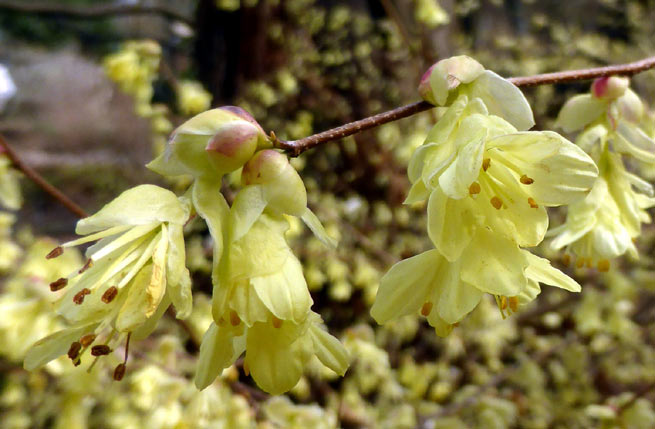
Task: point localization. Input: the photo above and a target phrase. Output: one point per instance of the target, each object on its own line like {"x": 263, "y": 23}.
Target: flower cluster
{"x": 487, "y": 182}
{"x": 136, "y": 270}
{"x": 612, "y": 122}
{"x": 133, "y": 272}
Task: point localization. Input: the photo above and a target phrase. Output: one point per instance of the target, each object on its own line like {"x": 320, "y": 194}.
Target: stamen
{"x": 474, "y": 188}
{"x": 503, "y": 302}
{"x": 74, "y": 350}
{"x": 533, "y": 203}
{"x": 566, "y": 259}
{"x": 86, "y": 340}
{"x": 234, "y": 318}
{"x": 426, "y": 309}
{"x": 58, "y": 284}
{"x": 526, "y": 180}
{"x": 87, "y": 265}
{"x": 513, "y": 303}
{"x": 496, "y": 202}
{"x": 246, "y": 368}
{"x": 79, "y": 297}
{"x": 590, "y": 263}
{"x": 100, "y": 350}
{"x": 109, "y": 294}
{"x": 119, "y": 372}
{"x": 57, "y": 251}
{"x": 580, "y": 262}
{"x": 221, "y": 321}
{"x": 500, "y": 306}
{"x": 277, "y": 323}
{"x": 603, "y": 265}
{"x": 486, "y": 163}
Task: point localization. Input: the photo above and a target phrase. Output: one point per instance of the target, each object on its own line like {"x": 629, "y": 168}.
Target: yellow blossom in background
{"x": 192, "y": 98}
{"x": 10, "y": 195}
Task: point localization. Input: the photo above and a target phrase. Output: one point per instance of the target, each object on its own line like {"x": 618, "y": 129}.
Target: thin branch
{"x": 40, "y": 181}
{"x": 98, "y": 11}
{"x": 296, "y": 147}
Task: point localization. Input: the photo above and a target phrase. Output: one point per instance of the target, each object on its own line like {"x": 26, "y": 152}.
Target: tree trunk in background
{"x": 230, "y": 46}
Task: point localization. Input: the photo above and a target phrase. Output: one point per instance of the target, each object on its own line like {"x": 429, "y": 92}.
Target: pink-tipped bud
{"x": 243, "y": 114}
{"x": 424, "y": 89}
{"x": 264, "y": 167}
{"x": 232, "y": 145}
{"x": 283, "y": 186}
{"x": 446, "y": 75}
{"x": 211, "y": 144}
{"x": 609, "y": 87}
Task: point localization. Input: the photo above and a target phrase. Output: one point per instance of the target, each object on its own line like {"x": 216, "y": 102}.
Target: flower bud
{"x": 630, "y": 107}
{"x": 232, "y": 145}
{"x": 284, "y": 189}
{"x": 609, "y": 87}
{"x": 446, "y": 75}
{"x": 211, "y": 144}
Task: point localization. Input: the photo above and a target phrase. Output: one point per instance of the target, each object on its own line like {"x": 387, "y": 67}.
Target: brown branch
{"x": 296, "y": 147}
{"x": 98, "y": 11}
{"x": 40, "y": 181}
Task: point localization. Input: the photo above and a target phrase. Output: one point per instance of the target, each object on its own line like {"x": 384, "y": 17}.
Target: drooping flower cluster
{"x": 487, "y": 182}
{"x": 261, "y": 304}
{"x": 612, "y": 123}
{"x": 133, "y": 272}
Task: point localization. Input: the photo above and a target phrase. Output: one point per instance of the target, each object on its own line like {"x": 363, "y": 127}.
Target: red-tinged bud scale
{"x": 609, "y": 87}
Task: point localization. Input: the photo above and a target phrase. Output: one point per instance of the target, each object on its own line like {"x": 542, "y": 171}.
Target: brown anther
{"x": 246, "y": 368}
{"x": 234, "y": 318}
{"x": 79, "y": 297}
{"x": 533, "y": 203}
{"x": 503, "y": 302}
{"x": 455, "y": 325}
{"x": 513, "y": 303}
{"x": 58, "y": 284}
{"x": 486, "y": 163}
{"x": 57, "y": 251}
{"x": 119, "y": 372}
{"x": 221, "y": 321}
{"x": 474, "y": 188}
{"x": 496, "y": 202}
{"x": 277, "y": 323}
{"x": 590, "y": 263}
{"x": 100, "y": 350}
{"x": 426, "y": 309}
{"x": 566, "y": 259}
{"x": 526, "y": 180}
{"x": 74, "y": 350}
{"x": 77, "y": 362}
{"x": 87, "y": 339}
{"x": 603, "y": 265}
{"x": 87, "y": 265}
{"x": 109, "y": 294}
{"x": 579, "y": 263}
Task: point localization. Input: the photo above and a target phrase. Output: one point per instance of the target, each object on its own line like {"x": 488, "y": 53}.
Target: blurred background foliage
{"x": 302, "y": 66}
